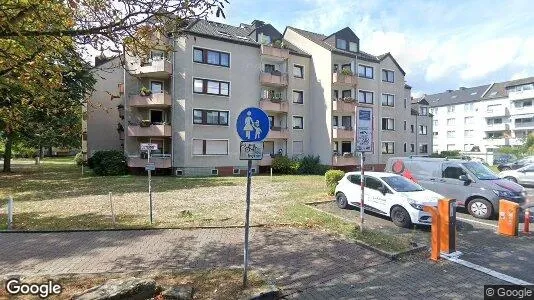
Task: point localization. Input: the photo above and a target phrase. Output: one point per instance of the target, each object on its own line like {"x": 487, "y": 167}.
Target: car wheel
{"x": 400, "y": 217}
{"x": 480, "y": 208}
{"x": 511, "y": 178}
{"x": 341, "y": 200}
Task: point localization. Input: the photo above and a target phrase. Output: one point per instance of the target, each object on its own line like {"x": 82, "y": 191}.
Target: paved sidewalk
{"x": 304, "y": 263}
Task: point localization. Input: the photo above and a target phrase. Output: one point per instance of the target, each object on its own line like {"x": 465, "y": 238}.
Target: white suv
{"x": 388, "y": 194}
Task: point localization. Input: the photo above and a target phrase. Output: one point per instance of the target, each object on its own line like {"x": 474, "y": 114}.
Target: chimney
{"x": 449, "y": 91}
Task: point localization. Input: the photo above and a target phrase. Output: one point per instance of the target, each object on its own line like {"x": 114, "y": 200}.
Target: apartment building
{"x": 187, "y": 100}
{"x": 483, "y": 118}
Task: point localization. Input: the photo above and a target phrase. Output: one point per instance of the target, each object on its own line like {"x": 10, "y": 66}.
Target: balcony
{"x": 496, "y": 141}
{"x": 278, "y": 133}
{"x": 162, "y": 162}
{"x": 499, "y": 112}
{"x": 161, "y": 68}
{"x": 520, "y": 110}
{"x": 341, "y": 132}
{"x": 152, "y": 130}
{"x": 521, "y": 95}
{"x": 153, "y": 100}
{"x": 274, "y": 52}
{"x": 342, "y": 79}
{"x": 273, "y": 105}
{"x": 497, "y": 127}
{"x": 343, "y": 106}
{"x": 343, "y": 160}
{"x": 276, "y": 79}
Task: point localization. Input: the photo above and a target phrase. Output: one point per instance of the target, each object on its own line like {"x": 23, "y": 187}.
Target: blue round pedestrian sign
{"x": 252, "y": 125}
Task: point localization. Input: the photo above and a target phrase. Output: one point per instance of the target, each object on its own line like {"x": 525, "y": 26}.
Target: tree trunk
{"x": 49, "y": 151}
{"x": 7, "y": 153}
{"x": 41, "y": 152}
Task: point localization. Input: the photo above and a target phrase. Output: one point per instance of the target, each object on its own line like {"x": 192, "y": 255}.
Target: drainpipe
{"x": 172, "y": 101}
{"x": 416, "y": 133}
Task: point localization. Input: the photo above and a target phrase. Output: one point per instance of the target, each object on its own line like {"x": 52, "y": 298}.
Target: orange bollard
{"x": 526, "y": 225}
{"x": 508, "y": 218}
{"x": 447, "y": 225}
{"x": 434, "y": 245}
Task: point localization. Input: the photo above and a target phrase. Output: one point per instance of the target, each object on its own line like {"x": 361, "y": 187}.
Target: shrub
{"x": 78, "y": 159}
{"x": 332, "y": 177}
{"x": 310, "y": 164}
{"x": 108, "y": 163}
{"x": 283, "y": 165}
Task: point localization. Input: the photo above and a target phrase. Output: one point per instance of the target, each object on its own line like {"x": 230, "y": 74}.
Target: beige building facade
{"x": 187, "y": 100}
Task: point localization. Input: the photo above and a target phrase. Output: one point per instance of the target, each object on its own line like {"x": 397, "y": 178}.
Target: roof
{"x": 320, "y": 39}
{"x": 462, "y": 95}
{"x": 406, "y": 86}
{"x": 385, "y": 55}
{"x": 380, "y": 174}
{"x": 295, "y": 50}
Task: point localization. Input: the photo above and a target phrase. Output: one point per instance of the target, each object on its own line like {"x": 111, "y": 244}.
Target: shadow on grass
{"x": 60, "y": 180}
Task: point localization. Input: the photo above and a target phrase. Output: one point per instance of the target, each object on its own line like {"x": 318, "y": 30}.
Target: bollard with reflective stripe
{"x": 434, "y": 245}
{"x": 526, "y": 225}
{"x": 447, "y": 226}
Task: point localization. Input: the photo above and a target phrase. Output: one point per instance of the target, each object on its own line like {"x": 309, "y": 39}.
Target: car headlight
{"x": 504, "y": 193}
{"x": 415, "y": 204}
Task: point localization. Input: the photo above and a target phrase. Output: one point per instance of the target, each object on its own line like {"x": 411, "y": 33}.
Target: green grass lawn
{"x": 55, "y": 195}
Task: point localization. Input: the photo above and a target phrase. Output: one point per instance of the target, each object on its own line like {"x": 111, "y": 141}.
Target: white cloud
{"x": 489, "y": 56}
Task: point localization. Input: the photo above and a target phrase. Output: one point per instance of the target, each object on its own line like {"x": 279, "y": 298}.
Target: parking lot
{"x": 476, "y": 239}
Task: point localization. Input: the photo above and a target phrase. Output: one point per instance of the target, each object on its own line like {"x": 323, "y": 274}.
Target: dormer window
{"x": 341, "y": 44}
{"x": 265, "y": 39}
{"x": 353, "y": 47}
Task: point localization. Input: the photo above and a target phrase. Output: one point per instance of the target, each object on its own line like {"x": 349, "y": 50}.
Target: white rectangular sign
{"x": 147, "y": 146}
{"x": 251, "y": 150}
{"x": 364, "y": 129}
{"x": 150, "y": 167}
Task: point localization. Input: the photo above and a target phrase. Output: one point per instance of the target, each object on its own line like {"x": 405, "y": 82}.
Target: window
{"x": 365, "y": 97}
{"x": 346, "y": 122}
{"x": 336, "y": 94}
{"x": 156, "y": 55}
{"x": 269, "y": 68}
{"x": 156, "y": 87}
{"x": 451, "y": 147}
{"x": 451, "y": 134}
{"x": 468, "y": 133}
{"x": 210, "y": 147}
{"x": 212, "y": 87}
{"x": 450, "y": 109}
{"x": 335, "y": 121}
{"x": 265, "y": 39}
{"x": 405, "y": 148}
{"x": 210, "y": 117}
{"x": 435, "y": 123}
{"x": 450, "y": 122}
{"x": 271, "y": 122}
{"x": 387, "y": 147}
{"x": 298, "y": 147}
{"x": 468, "y": 120}
{"x": 412, "y": 128}
{"x": 211, "y": 57}
{"x": 491, "y": 122}
{"x": 468, "y": 107}
{"x": 388, "y": 76}
{"x": 452, "y": 171}
{"x": 365, "y": 71}
{"x": 405, "y": 125}
{"x": 346, "y": 147}
{"x": 388, "y": 124}
{"x": 341, "y": 44}
{"x": 423, "y": 111}
{"x": 423, "y": 129}
{"x": 388, "y": 100}
{"x": 346, "y": 67}
{"x": 355, "y": 179}
{"x": 346, "y": 94}
{"x": 157, "y": 116}
{"x": 298, "y": 71}
{"x": 298, "y": 122}
{"x": 412, "y": 147}
{"x": 372, "y": 183}
{"x": 423, "y": 148}
{"x": 435, "y": 133}
{"x": 298, "y": 97}
{"x": 405, "y": 102}
{"x": 353, "y": 47}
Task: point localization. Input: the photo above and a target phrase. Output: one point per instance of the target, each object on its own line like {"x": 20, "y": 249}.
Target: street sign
{"x": 150, "y": 167}
{"x": 252, "y": 125}
{"x": 149, "y": 146}
{"x": 251, "y": 150}
{"x": 364, "y": 129}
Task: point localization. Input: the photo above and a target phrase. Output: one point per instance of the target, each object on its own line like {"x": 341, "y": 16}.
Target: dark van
{"x": 471, "y": 183}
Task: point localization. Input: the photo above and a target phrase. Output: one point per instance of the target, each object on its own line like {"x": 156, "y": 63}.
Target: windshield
{"x": 480, "y": 171}
{"x": 401, "y": 184}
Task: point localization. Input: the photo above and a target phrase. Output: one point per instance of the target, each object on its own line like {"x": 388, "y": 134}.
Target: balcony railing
{"x": 274, "y": 52}
{"x": 341, "y": 132}
{"x": 155, "y": 68}
{"x": 497, "y": 127}
{"x": 161, "y": 162}
{"x": 273, "y": 79}
{"x": 497, "y": 112}
{"x": 343, "y": 160}
{"x": 274, "y": 105}
{"x": 344, "y": 106}
{"x": 153, "y": 100}
{"x": 278, "y": 133}
{"x": 152, "y": 130}
{"x": 339, "y": 78}
{"x": 529, "y": 94}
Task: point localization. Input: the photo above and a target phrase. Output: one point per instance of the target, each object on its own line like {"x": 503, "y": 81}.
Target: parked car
{"x": 471, "y": 183}
{"x": 499, "y": 159}
{"x": 523, "y": 176}
{"x": 387, "y": 194}
{"x": 516, "y": 164}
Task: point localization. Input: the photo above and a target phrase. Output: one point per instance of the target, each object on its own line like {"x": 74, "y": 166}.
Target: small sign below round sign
{"x": 252, "y": 125}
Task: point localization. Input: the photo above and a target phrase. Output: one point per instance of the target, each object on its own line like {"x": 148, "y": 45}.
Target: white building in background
{"x": 483, "y": 118}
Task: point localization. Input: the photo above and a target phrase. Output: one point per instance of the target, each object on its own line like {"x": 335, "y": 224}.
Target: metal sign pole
{"x": 362, "y": 184}
{"x": 150, "y": 188}
{"x": 247, "y": 216}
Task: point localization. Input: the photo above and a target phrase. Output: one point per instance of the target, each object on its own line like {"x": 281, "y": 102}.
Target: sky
{"x": 440, "y": 44}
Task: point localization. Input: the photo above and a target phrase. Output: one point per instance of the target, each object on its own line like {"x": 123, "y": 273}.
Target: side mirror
{"x": 464, "y": 178}
{"x": 383, "y": 189}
